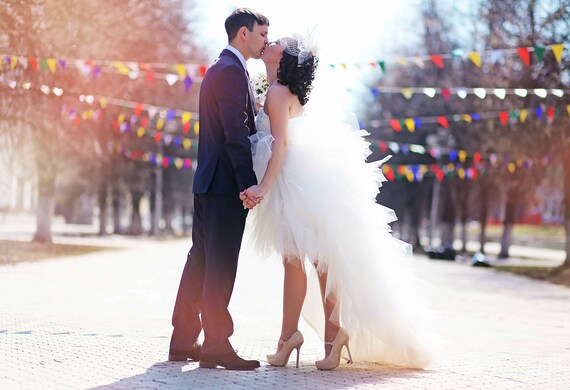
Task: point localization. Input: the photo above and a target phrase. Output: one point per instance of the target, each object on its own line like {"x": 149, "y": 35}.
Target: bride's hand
{"x": 249, "y": 201}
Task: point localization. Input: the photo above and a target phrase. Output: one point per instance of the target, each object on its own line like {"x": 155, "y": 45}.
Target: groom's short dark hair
{"x": 243, "y": 17}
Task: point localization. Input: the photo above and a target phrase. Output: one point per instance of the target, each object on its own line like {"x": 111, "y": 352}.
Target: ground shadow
{"x": 187, "y": 375}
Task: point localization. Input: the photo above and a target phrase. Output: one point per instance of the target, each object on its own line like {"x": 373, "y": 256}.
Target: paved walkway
{"x": 102, "y": 321}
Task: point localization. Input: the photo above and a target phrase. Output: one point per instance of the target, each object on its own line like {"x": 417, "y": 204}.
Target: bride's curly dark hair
{"x": 298, "y": 77}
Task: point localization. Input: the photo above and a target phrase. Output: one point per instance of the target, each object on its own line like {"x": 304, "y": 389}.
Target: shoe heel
{"x": 298, "y": 352}
{"x": 204, "y": 364}
{"x": 349, "y": 354}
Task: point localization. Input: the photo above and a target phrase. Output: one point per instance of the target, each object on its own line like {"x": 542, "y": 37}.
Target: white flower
{"x": 259, "y": 85}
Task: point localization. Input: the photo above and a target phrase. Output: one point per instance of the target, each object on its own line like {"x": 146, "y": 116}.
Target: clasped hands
{"x": 251, "y": 197}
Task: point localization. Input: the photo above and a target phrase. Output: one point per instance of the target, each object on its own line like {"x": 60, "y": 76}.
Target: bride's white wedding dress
{"x": 322, "y": 208}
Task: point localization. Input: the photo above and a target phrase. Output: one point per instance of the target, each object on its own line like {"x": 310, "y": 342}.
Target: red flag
{"x": 438, "y": 60}
{"x": 439, "y": 175}
{"x": 33, "y": 61}
{"x": 396, "y": 125}
{"x": 524, "y": 54}
{"x": 186, "y": 128}
{"x": 157, "y": 136}
{"x": 144, "y": 121}
{"x": 550, "y": 113}
{"x": 138, "y": 109}
{"x": 383, "y": 146}
{"x": 443, "y": 121}
{"x": 477, "y": 157}
{"x": 446, "y": 93}
{"x": 504, "y": 116}
{"x": 203, "y": 69}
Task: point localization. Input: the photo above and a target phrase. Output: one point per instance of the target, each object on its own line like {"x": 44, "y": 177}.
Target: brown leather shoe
{"x": 229, "y": 360}
{"x": 179, "y": 355}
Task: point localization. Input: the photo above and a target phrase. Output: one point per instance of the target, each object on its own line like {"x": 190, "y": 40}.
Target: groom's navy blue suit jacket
{"x": 227, "y": 114}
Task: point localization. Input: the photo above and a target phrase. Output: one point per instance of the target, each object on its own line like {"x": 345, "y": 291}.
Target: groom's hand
{"x": 249, "y": 200}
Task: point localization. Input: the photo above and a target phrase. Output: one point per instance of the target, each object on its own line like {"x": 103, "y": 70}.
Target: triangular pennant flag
{"x": 418, "y": 123}
{"x": 504, "y": 117}
{"x": 33, "y": 61}
{"x": 202, "y": 69}
{"x": 524, "y": 54}
{"x": 382, "y": 65}
{"x": 374, "y": 92}
{"x": 568, "y": 109}
{"x": 438, "y": 60}
{"x": 557, "y": 50}
{"x": 103, "y": 102}
{"x": 43, "y": 65}
{"x": 462, "y": 155}
{"x": 186, "y": 116}
{"x": 196, "y": 127}
{"x": 186, "y": 128}
{"x": 171, "y": 79}
{"x": 62, "y": 64}
{"x": 160, "y": 123}
{"x": 523, "y": 115}
{"x": 539, "y": 51}
{"x": 443, "y": 121}
{"x": 418, "y": 61}
{"x": 402, "y": 61}
{"x": 187, "y": 83}
{"x": 396, "y": 125}
{"x": 138, "y": 109}
{"x": 446, "y": 93}
{"x": 467, "y": 118}
{"x": 475, "y": 57}
{"x": 538, "y": 111}
{"x": 149, "y": 78}
{"x": 13, "y": 62}
{"x": 411, "y": 125}
{"x": 407, "y": 92}
{"x": 51, "y": 62}
{"x": 550, "y": 113}
{"x": 181, "y": 69}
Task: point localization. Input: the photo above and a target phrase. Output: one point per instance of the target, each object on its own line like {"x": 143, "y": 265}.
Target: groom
{"x": 227, "y": 111}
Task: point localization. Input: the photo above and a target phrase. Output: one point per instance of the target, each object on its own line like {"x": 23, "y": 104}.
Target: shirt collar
{"x": 239, "y": 55}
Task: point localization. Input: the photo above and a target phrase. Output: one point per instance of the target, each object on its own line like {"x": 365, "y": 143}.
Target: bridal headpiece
{"x": 303, "y": 47}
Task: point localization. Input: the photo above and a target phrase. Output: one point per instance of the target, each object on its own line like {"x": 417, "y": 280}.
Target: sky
{"x": 365, "y": 31}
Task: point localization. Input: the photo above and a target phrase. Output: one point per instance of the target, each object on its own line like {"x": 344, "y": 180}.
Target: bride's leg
{"x": 294, "y": 290}
{"x": 331, "y": 324}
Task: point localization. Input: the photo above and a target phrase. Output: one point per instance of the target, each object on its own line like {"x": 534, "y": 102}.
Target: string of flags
{"x": 505, "y": 116}
{"x": 476, "y": 57}
{"x": 151, "y": 110}
{"x": 463, "y": 92}
{"x": 171, "y": 73}
{"x": 194, "y": 72}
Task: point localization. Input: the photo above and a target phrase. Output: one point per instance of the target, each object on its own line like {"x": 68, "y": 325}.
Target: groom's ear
{"x": 242, "y": 32}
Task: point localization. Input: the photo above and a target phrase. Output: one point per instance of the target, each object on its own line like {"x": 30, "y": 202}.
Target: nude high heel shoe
{"x": 333, "y": 359}
{"x": 281, "y": 357}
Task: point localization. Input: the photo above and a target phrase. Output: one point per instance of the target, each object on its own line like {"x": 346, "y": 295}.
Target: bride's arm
{"x": 277, "y": 106}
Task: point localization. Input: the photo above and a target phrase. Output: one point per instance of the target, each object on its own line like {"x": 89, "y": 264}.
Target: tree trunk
{"x": 136, "y": 228}
{"x": 103, "y": 211}
{"x": 483, "y": 213}
{"x": 566, "y": 174}
{"x": 116, "y": 211}
{"x": 513, "y": 197}
{"x": 447, "y": 215}
{"x": 46, "y": 204}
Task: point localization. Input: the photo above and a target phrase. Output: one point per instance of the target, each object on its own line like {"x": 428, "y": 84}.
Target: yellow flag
{"x": 410, "y": 176}
{"x": 160, "y": 123}
{"x": 181, "y": 69}
{"x": 467, "y": 118}
{"x": 461, "y": 173}
{"x": 411, "y": 125}
{"x": 145, "y": 157}
{"x": 51, "y": 64}
{"x": 186, "y": 117}
{"x": 140, "y": 132}
{"x": 343, "y": 65}
{"x": 476, "y": 58}
{"x": 462, "y": 155}
{"x": 401, "y": 61}
{"x": 103, "y": 102}
{"x": 187, "y": 143}
{"x": 178, "y": 162}
{"x": 512, "y": 167}
{"x": 13, "y": 62}
{"x": 121, "y": 118}
{"x": 451, "y": 167}
{"x": 196, "y": 127}
{"x": 522, "y": 115}
{"x": 423, "y": 169}
{"x": 407, "y": 92}
{"x": 568, "y": 109}
{"x": 557, "y": 50}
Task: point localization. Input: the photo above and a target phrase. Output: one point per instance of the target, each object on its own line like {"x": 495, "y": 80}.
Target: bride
{"x": 319, "y": 212}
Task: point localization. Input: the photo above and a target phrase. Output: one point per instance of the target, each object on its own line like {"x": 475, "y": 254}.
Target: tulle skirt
{"x": 322, "y": 209}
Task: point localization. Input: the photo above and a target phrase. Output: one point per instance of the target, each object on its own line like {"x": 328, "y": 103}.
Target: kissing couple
{"x": 311, "y": 197}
